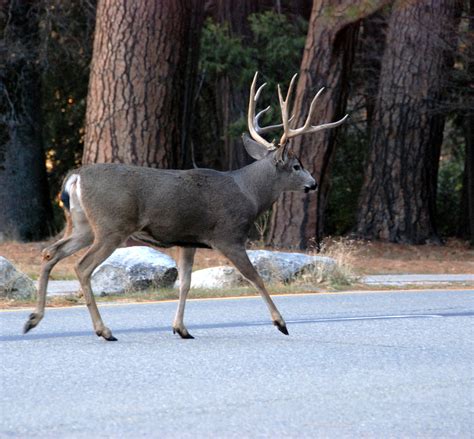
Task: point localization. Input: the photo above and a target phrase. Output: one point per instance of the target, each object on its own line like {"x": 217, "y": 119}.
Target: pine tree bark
{"x": 25, "y": 207}
{"x": 231, "y": 97}
{"x": 469, "y": 175}
{"x": 372, "y": 44}
{"x": 297, "y": 219}
{"x": 469, "y": 132}
{"x": 397, "y": 201}
{"x": 142, "y": 82}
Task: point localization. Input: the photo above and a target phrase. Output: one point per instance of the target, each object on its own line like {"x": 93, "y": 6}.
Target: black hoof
{"x": 111, "y": 338}
{"x": 281, "y": 327}
{"x": 108, "y": 337}
{"x": 28, "y": 326}
{"x": 182, "y": 334}
{"x": 33, "y": 320}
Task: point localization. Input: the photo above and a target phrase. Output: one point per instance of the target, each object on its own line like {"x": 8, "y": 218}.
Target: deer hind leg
{"x": 238, "y": 256}
{"x": 78, "y": 235}
{"x": 185, "y": 266}
{"x": 102, "y": 247}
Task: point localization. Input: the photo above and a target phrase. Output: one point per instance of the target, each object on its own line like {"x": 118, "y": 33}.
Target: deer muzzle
{"x": 313, "y": 187}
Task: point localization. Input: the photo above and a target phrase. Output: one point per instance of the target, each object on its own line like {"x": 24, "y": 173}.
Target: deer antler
{"x": 307, "y": 127}
{"x": 262, "y": 130}
{"x": 254, "y": 128}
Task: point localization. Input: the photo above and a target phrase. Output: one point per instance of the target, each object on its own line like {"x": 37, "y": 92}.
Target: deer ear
{"x": 254, "y": 149}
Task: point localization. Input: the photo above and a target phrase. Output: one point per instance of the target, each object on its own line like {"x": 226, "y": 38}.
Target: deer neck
{"x": 261, "y": 182}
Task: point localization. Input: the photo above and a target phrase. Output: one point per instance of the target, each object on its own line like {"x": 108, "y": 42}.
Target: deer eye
{"x": 297, "y": 167}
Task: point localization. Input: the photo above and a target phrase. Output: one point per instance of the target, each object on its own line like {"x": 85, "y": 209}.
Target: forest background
{"x": 164, "y": 83}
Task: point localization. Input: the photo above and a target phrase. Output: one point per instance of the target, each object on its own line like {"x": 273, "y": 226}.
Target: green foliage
{"x": 450, "y": 182}
{"x": 346, "y": 182}
{"x": 279, "y": 44}
{"x": 274, "y": 48}
{"x": 223, "y": 53}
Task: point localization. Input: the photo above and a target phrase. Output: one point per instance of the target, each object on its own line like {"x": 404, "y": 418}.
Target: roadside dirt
{"x": 455, "y": 257}
{"x": 366, "y": 258}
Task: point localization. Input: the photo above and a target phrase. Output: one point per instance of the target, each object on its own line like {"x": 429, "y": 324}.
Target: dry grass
{"x": 355, "y": 257}
{"x": 341, "y": 274}
{"x": 455, "y": 257}
{"x": 155, "y": 295}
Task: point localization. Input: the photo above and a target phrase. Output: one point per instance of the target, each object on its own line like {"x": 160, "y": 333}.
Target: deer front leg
{"x": 238, "y": 256}
{"x": 185, "y": 266}
{"x": 100, "y": 250}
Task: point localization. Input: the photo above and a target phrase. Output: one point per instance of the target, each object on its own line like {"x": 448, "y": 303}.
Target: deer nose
{"x": 313, "y": 187}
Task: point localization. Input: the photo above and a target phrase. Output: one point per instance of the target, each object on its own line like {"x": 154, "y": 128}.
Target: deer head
{"x": 284, "y": 159}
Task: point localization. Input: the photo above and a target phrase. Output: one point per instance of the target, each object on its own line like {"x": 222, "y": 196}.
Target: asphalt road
{"x": 361, "y": 364}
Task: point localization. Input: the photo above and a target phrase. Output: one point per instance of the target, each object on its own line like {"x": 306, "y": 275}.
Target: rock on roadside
{"x": 273, "y": 266}
{"x": 216, "y": 278}
{"x": 134, "y": 269}
{"x": 13, "y": 283}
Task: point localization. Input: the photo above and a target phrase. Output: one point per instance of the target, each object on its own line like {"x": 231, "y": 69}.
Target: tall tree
{"x": 397, "y": 201}
{"x": 371, "y": 48}
{"x": 231, "y": 96}
{"x": 142, "y": 82}
{"x": 469, "y": 127}
{"x": 297, "y": 219}
{"x": 25, "y": 212}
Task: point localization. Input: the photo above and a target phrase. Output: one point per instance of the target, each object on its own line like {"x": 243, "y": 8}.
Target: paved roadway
{"x": 354, "y": 365}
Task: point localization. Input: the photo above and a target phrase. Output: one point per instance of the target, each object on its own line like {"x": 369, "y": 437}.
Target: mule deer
{"x": 107, "y": 203}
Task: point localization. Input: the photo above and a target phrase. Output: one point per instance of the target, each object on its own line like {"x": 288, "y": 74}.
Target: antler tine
{"x": 257, "y": 118}
{"x": 325, "y": 126}
{"x": 252, "y": 120}
{"x": 256, "y": 130}
{"x": 257, "y": 95}
{"x": 307, "y": 127}
{"x": 307, "y": 124}
{"x": 284, "y": 110}
{"x": 262, "y": 130}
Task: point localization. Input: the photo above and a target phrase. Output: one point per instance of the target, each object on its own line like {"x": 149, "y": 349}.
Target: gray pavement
{"x": 419, "y": 279}
{"x": 355, "y": 365}
{"x": 62, "y": 287}
{"x": 65, "y": 287}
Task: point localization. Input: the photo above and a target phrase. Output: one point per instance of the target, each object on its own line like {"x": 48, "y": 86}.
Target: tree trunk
{"x": 371, "y": 53}
{"x": 327, "y": 61}
{"x": 141, "y": 86}
{"x": 469, "y": 133}
{"x": 397, "y": 201}
{"x": 230, "y": 97}
{"x": 469, "y": 170}
{"x": 25, "y": 212}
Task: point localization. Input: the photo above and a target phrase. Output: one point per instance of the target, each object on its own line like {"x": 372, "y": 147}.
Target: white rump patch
{"x": 73, "y": 188}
